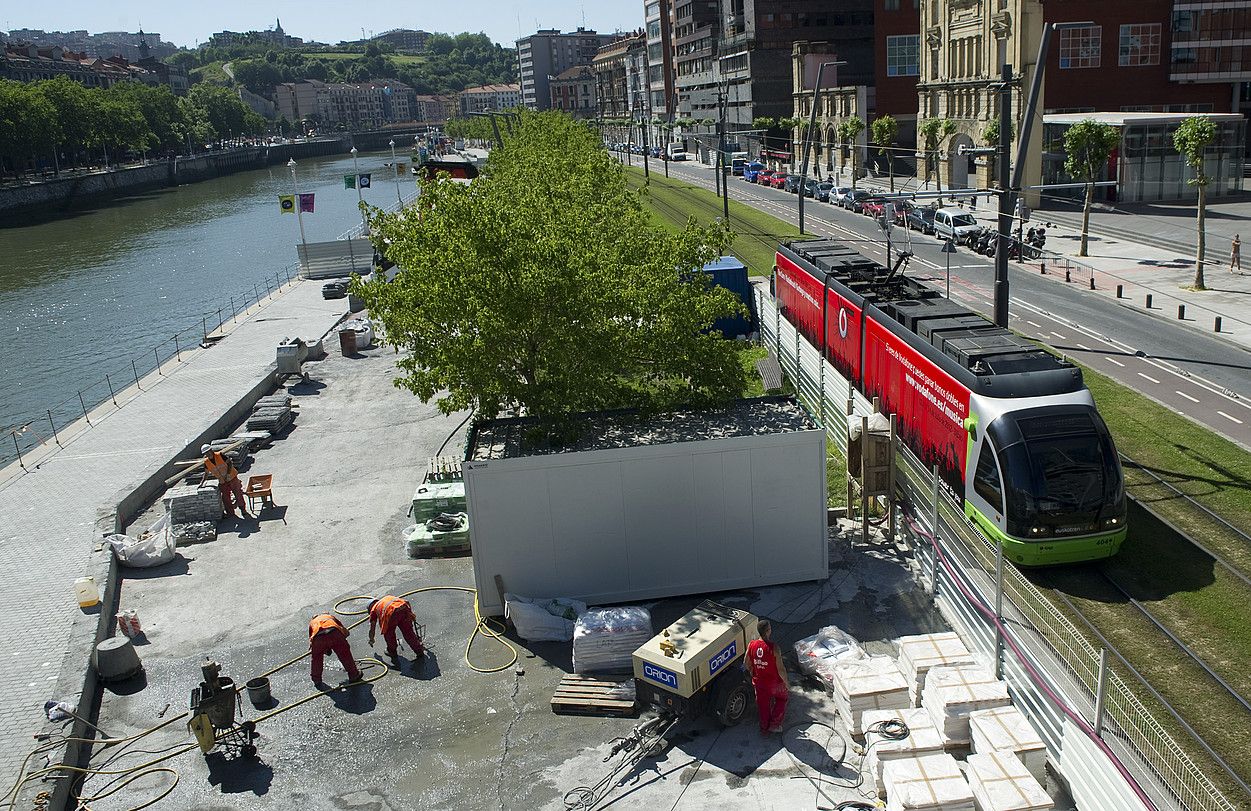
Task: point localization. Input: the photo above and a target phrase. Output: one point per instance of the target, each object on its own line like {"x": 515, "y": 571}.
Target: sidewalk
{"x": 49, "y": 514}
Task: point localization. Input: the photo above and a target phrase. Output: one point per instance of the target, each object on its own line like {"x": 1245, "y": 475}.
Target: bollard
{"x": 157, "y": 354}
{"x": 53, "y": 424}
{"x": 1216, "y": 326}
{"x": 1068, "y": 275}
{"x": 1042, "y": 267}
{"x": 17, "y": 448}
{"x": 1181, "y": 312}
{"x": 1092, "y": 281}
{"x": 1120, "y": 291}
{"x": 177, "y": 349}
{"x": 1148, "y": 301}
{"x": 233, "y": 312}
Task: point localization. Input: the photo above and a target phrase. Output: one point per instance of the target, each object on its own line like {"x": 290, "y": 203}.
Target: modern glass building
{"x": 1145, "y": 165}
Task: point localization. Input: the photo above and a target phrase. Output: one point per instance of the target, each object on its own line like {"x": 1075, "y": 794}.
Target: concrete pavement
{"x": 49, "y": 514}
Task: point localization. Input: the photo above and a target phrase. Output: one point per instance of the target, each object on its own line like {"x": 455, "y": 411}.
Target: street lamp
{"x": 299, "y": 214}
{"x": 812, "y": 123}
{"x": 360, "y": 201}
{"x": 396, "y": 167}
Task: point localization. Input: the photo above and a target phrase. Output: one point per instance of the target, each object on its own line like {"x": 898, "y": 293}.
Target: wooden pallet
{"x": 581, "y": 694}
{"x": 444, "y": 469}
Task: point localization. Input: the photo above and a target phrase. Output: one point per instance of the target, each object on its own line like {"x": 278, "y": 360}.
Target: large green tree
{"x": 28, "y": 123}
{"x": 885, "y": 129}
{"x": 1191, "y": 140}
{"x": 74, "y": 112}
{"x": 159, "y": 108}
{"x": 545, "y": 284}
{"x": 1087, "y": 146}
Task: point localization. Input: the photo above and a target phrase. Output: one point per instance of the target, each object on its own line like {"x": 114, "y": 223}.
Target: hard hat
{"x": 205, "y": 448}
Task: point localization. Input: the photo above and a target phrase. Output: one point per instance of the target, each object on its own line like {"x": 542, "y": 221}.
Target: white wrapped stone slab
{"x": 951, "y": 693}
{"x": 929, "y": 783}
{"x": 872, "y": 683}
{"x": 923, "y": 739}
{"x": 604, "y": 639}
{"x": 1000, "y": 782}
{"x": 1007, "y": 729}
{"x": 919, "y": 653}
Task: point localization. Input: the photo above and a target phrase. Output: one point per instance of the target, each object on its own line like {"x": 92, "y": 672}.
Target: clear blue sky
{"x": 185, "y": 23}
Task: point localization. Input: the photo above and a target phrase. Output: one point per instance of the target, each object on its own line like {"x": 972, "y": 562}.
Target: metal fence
{"x": 359, "y": 230}
{"x": 58, "y": 423}
{"x": 1051, "y": 668}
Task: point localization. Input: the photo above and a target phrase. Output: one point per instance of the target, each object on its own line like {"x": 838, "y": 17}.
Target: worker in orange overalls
{"x": 326, "y": 634}
{"x": 395, "y": 614}
{"x": 768, "y": 677}
{"x": 231, "y": 490}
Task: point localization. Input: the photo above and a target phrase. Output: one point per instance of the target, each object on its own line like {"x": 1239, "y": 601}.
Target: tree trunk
{"x": 938, "y": 172}
{"x": 1199, "y": 254}
{"x": 1090, "y": 196}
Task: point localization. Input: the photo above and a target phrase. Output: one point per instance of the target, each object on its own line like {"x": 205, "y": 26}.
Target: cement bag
{"x": 154, "y": 548}
{"x": 533, "y": 621}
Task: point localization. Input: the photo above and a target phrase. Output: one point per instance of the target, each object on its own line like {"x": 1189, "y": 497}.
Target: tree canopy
{"x": 1087, "y": 146}
{"x": 544, "y": 284}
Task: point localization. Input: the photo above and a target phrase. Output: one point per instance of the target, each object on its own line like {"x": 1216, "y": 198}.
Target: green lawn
{"x": 399, "y": 59}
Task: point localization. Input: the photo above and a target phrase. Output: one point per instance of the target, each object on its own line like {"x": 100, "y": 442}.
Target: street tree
{"x": 28, "y": 123}
{"x": 885, "y": 130}
{"x": 849, "y": 130}
{"x": 74, "y": 112}
{"x": 990, "y": 137}
{"x": 790, "y": 124}
{"x": 545, "y": 285}
{"x": 1087, "y": 146}
{"x": 764, "y": 123}
{"x": 934, "y": 131}
{"x": 1191, "y": 140}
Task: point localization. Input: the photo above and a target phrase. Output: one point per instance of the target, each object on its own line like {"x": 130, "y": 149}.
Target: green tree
{"x": 934, "y": 131}
{"x": 1191, "y": 140}
{"x": 28, "y": 123}
{"x": 159, "y": 108}
{"x": 74, "y": 112}
{"x": 849, "y": 130}
{"x": 1087, "y": 146}
{"x": 885, "y": 130}
{"x": 546, "y": 285}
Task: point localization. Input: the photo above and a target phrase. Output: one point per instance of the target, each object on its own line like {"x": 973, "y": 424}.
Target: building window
{"x": 891, "y": 5}
{"x": 1140, "y": 45}
{"x": 1079, "y": 47}
{"x": 903, "y": 55}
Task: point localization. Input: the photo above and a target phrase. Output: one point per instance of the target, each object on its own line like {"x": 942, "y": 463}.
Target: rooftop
{"x": 1122, "y": 119}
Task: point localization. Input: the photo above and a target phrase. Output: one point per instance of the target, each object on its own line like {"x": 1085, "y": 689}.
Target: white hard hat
{"x": 205, "y": 448}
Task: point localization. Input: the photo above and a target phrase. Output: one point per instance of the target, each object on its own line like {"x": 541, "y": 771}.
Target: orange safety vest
{"x": 324, "y": 623}
{"x": 220, "y": 467}
{"x": 387, "y": 610}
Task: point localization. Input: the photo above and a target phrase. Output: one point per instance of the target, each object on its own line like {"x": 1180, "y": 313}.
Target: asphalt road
{"x": 1182, "y": 368}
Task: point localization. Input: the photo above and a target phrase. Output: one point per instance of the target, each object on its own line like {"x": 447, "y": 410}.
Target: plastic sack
{"x": 154, "y": 548}
{"x": 535, "y": 623}
{"x": 821, "y": 650}
{"x": 605, "y": 638}
{"x": 59, "y": 710}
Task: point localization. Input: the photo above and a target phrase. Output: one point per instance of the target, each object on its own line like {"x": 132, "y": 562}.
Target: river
{"x": 82, "y": 295}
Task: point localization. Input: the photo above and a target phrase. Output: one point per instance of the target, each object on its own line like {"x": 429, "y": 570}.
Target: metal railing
{"x": 59, "y": 423}
{"x": 1072, "y": 666}
{"x": 359, "y": 230}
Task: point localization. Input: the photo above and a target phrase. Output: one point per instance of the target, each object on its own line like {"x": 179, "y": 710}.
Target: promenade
{"x": 48, "y": 513}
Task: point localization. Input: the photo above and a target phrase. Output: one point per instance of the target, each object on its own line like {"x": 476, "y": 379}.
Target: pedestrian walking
{"x": 231, "y": 489}
{"x": 395, "y": 614}
{"x": 768, "y": 678}
{"x": 326, "y": 634}
{"x": 1235, "y": 254}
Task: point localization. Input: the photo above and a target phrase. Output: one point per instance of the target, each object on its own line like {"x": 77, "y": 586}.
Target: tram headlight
{"x": 1038, "y": 531}
{"x": 1113, "y": 522}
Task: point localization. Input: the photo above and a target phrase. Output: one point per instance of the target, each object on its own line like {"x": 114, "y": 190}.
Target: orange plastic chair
{"x": 260, "y": 487}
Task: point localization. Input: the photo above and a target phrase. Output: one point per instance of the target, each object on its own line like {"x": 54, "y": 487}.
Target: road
{"x": 1184, "y": 369}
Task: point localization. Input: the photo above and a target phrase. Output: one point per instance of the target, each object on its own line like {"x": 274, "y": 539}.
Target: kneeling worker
{"x": 395, "y": 614}
{"x": 768, "y": 677}
{"x": 231, "y": 489}
{"x": 325, "y": 634}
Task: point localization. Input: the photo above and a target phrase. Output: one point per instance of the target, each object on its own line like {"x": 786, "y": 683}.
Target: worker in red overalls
{"x": 768, "y": 677}
{"x": 395, "y": 614}
{"x": 231, "y": 489}
{"x": 325, "y": 634}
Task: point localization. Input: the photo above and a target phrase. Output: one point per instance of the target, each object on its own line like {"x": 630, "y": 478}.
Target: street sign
{"x": 949, "y": 247}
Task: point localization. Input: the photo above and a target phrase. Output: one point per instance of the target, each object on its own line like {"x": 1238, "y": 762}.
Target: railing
{"x": 59, "y": 423}
{"x": 1049, "y": 665}
{"x": 359, "y": 230}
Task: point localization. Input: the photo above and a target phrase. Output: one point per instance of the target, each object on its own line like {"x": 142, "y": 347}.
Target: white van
{"x": 954, "y": 224}
{"x": 677, "y": 152}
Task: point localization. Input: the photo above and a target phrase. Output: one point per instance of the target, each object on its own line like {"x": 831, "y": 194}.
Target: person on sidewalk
{"x": 326, "y": 634}
{"x": 395, "y": 614}
{"x": 231, "y": 489}
{"x": 768, "y": 678}
{"x": 1235, "y": 254}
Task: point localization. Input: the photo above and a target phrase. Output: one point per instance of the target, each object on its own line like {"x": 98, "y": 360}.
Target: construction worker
{"x": 231, "y": 489}
{"x": 395, "y": 614}
{"x": 325, "y": 634}
{"x": 768, "y": 677}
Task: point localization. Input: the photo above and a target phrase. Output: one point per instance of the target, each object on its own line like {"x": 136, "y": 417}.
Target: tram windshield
{"x": 1061, "y": 473}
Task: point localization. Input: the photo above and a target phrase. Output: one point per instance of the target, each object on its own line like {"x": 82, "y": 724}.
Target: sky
{"x": 186, "y": 23}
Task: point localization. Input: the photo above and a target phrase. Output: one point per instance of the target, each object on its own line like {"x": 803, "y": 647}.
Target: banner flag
{"x": 349, "y": 181}
{"x": 306, "y": 203}
{"x": 400, "y": 169}
{"x": 363, "y": 180}
{"x": 286, "y": 202}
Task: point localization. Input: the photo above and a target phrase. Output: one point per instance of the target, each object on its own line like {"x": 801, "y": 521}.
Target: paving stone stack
{"x": 188, "y": 504}
{"x": 951, "y": 693}
{"x": 442, "y": 534}
{"x": 923, "y": 739}
{"x": 929, "y": 783}
{"x": 1006, "y": 729}
{"x": 1000, "y": 782}
{"x": 193, "y": 532}
{"x": 917, "y": 654}
{"x": 270, "y": 418}
{"x": 236, "y": 455}
{"x": 872, "y": 683}
{"x": 604, "y": 639}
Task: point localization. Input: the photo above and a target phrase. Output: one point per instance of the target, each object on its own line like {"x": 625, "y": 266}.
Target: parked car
{"x": 873, "y": 207}
{"x": 855, "y": 200}
{"x": 839, "y": 194}
{"x": 823, "y": 191}
{"x": 765, "y": 177}
{"x": 921, "y": 218}
{"x": 792, "y": 184}
{"x": 778, "y": 181}
{"x": 751, "y": 170}
{"x": 952, "y": 223}
{"x": 899, "y": 211}
{"x": 335, "y": 289}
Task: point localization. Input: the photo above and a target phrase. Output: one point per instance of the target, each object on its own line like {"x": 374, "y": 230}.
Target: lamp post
{"x": 396, "y": 168}
{"x": 299, "y": 214}
{"x": 416, "y": 176}
{"x": 360, "y": 201}
{"x": 812, "y": 123}
{"x": 949, "y": 247}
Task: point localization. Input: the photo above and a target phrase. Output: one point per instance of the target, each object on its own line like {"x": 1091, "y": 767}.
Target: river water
{"x": 82, "y": 295}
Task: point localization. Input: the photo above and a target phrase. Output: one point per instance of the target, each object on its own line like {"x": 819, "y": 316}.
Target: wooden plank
{"x": 588, "y": 694}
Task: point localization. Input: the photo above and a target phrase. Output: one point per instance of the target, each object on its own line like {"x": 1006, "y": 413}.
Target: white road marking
{"x": 1148, "y": 377}
{"x": 1114, "y": 360}
{"x": 1226, "y": 416}
{"x": 1187, "y": 396}
{"x": 1083, "y": 346}
{"x": 1061, "y": 337}
{"x": 1033, "y": 323}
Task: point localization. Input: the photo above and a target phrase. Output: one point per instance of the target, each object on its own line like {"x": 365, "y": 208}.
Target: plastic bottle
{"x": 86, "y": 592}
